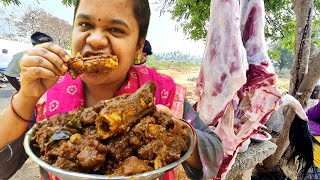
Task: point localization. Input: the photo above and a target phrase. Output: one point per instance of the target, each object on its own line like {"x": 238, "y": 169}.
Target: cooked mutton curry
{"x": 121, "y": 136}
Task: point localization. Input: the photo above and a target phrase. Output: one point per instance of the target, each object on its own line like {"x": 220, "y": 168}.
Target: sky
{"x": 164, "y": 34}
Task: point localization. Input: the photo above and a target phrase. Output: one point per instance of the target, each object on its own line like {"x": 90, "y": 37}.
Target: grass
{"x": 283, "y": 84}
{"x": 187, "y": 67}
{"x": 283, "y": 79}
{"x": 173, "y": 65}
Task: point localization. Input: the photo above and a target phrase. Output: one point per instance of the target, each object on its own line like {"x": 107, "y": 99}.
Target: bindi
{"x": 99, "y": 19}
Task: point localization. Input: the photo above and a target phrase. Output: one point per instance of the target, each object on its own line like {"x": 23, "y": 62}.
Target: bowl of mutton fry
{"x": 121, "y": 138}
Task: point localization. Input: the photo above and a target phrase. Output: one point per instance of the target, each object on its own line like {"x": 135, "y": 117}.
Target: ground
{"x": 185, "y": 77}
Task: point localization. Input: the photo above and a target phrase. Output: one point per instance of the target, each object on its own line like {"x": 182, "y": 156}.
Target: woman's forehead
{"x": 106, "y": 4}
{"x": 102, "y": 9}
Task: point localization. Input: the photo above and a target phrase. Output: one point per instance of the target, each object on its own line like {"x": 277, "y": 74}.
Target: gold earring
{"x": 138, "y": 59}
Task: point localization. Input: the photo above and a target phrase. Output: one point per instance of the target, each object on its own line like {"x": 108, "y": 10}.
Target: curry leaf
{"x": 59, "y": 136}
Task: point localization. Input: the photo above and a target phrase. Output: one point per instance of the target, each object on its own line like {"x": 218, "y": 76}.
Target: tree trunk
{"x": 303, "y": 13}
{"x": 305, "y": 90}
{"x": 301, "y": 84}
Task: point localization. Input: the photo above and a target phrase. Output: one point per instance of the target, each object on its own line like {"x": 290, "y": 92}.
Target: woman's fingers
{"x": 47, "y": 55}
{"x": 58, "y": 50}
{"x": 41, "y": 66}
{"x": 39, "y": 72}
{"x": 38, "y": 61}
{"x": 164, "y": 109}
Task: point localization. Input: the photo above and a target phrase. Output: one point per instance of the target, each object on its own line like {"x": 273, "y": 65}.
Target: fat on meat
{"x": 248, "y": 95}
{"x": 224, "y": 65}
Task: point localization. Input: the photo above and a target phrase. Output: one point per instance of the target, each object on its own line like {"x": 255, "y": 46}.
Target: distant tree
{"x": 281, "y": 56}
{"x": 36, "y": 19}
{"x": 177, "y": 56}
{"x": 7, "y": 18}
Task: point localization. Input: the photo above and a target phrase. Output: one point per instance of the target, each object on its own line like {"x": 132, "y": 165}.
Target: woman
{"x": 118, "y": 27}
{"x": 313, "y": 147}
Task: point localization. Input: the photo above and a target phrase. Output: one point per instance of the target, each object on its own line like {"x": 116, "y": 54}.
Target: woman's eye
{"x": 85, "y": 25}
{"x": 116, "y": 30}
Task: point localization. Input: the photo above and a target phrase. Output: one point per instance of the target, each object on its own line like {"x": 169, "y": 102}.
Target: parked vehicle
{"x": 3, "y": 80}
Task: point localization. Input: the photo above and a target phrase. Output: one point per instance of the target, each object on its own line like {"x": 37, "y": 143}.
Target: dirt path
{"x": 187, "y": 79}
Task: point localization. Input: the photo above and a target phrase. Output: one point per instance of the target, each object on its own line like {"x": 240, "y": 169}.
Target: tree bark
{"x": 301, "y": 84}
{"x": 305, "y": 90}
{"x": 303, "y": 13}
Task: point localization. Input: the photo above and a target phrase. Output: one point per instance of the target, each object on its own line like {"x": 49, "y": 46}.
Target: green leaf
{"x": 59, "y": 136}
{"x": 17, "y": 2}
{"x": 193, "y": 16}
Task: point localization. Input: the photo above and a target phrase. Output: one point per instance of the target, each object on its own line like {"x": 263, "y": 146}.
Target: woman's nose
{"x": 97, "y": 40}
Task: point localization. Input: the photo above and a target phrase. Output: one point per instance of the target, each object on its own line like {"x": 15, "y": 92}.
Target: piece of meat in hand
{"x": 93, "y": 64}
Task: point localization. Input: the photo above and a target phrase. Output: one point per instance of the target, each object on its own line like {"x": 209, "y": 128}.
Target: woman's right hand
{"x": 41, "y": 67}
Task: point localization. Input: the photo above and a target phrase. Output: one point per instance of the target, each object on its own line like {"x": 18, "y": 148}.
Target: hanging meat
{"x": 92, "y": 64}
{"x": 237, "y": 88}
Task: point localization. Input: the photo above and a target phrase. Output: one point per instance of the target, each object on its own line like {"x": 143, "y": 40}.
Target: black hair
{"x": 141, "y": 10}
{"x": 5, "y": 51}
{"x": 147, "y": 47}
{"x": 302, "y": 141}
{"x": 39, "y": 37}
{"x": 274, "y": 175}
{"x": 315, "y": 92}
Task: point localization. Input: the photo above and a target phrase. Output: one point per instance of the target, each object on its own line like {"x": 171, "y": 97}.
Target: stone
{"x": 247, "y": 161}
{"x": 276, "y": 120}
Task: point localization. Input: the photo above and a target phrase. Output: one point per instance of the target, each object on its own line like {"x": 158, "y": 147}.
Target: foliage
{"x": 36, "y": 19}
{"x": 17, "y": 2}
{"x": 193, "y": 16}
{"x": 281, "y": 56}
{"x": 8, "y": 2}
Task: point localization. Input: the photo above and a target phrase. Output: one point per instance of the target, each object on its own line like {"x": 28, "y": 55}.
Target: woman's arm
{"x": 40, "y": 67}
{"x": 11, "y": 126}
{"x": 13, "y": 156}
{"x": 208, "y": 154}
{"x": 314, "y": 113}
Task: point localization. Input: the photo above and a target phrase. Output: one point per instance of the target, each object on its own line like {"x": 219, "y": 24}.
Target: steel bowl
{"x": 34, "y": 154}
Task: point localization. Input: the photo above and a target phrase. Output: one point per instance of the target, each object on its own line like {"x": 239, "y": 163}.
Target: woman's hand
{"x": 194, "y": 159}
{"x": 164, "y": 109}
{"x": 41, "y": 67}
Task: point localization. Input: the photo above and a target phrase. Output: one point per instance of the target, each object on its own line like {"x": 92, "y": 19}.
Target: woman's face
{"x": 110, "y": 26}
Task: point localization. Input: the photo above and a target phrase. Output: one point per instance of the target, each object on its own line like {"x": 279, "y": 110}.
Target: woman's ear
{"x": 140, "y": 45}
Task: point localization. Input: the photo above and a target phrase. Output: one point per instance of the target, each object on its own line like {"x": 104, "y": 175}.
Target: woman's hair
{"x": 147, "y": 47}
{"x": 141, "y": 10}
{"x": 315, "y": 92}
{"x": 302, "y": 141}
